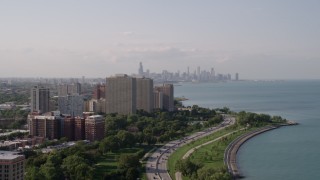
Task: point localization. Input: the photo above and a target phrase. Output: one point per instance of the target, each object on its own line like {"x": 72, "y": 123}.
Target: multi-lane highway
{"x": 156, "y": 167}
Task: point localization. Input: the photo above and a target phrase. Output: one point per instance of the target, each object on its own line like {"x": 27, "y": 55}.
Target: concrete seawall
{"x": 230, "y": 155}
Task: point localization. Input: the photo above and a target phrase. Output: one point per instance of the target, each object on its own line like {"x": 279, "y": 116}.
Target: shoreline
{"x": 230, "y": 155}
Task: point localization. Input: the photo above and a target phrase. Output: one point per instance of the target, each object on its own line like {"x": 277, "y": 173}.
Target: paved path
{"x": 231, "y": 151}
{"x": 156, "y": 167}
{"x": 178, "y": 175}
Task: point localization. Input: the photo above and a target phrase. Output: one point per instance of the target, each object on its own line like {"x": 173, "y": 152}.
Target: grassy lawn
{"x": 217, "y": 161}
{"x": 212, "y": 155}
{"x": 109, "y": 161}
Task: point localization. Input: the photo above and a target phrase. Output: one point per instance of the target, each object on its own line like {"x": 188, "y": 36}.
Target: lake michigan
{"x": 285, "y": 153}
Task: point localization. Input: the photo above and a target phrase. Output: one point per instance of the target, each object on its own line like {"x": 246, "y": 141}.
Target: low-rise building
{"x": 95, "y": 128}
{"x": 11, "y": 165}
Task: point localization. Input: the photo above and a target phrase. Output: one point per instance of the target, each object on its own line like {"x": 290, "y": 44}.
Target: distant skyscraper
{"x": 212, "y": 74}
{"x": 121, "y": 94}
{"x": 198, "y": 73}
{"x": 237, "y": 77}
{"x": 40, "y": 99}
{"x": 167, "y": 95}
{"x": 140, "y": 69}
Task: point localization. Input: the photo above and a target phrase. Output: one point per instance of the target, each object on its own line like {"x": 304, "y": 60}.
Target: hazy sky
{"x": 267, "y": 39}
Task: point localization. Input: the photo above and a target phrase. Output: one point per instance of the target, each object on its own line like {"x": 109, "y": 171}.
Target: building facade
{"x": 47, "y": 126}
{"x": 99, "y": 92}
{"x": 40, "y": 99}
{"x": 71, "y": 104}
{"x": 69, "y": 89}
{"x": 144, "y": 94}
{"x": 12, "y": 165}
{"x": 94, "y": 128}
{"x": 121, "y": 94}
{"x": 167, "y": 96}
{"x": 79, "y": 128}
{"x": 126, "y": 94}
{"x": 158, "y": 99}
{"x": 69, "y": 128}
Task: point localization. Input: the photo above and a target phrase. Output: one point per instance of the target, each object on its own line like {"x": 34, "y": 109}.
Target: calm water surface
{"x": 286, "y": 153}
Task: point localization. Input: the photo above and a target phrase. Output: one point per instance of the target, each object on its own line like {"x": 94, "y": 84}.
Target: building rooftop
{"x": 95, "y": 118}
{"x": 9, "y": 155}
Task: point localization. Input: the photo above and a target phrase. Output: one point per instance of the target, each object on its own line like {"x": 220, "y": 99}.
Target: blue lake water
{"x": 285, "y": 153}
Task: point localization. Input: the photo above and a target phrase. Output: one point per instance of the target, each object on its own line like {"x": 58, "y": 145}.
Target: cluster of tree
{"x": 19, "y": 98}
{"x": 129, "y": 168}
{"x": 78, "y": 162}
{"x": 16, "y": 113}
{"x": 253, "y": 119}
{"x": 14, "y": 135}
{"x": 159, "y": 126}
{"x": 72, "y": 163}
{"x": 122, "y": 139}
{"x": 196, "y": 170}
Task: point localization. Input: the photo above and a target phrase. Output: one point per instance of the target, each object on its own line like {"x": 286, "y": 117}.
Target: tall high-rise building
{"x": 121, "y": 94}
{"x": 158, "y": 99}
{"x": 71, "y": 104}
{"x": 12, "y": 165}
{"x": 212, "y": 74}
{"x": 40, "y": 99}
{"x": 69, "y": 89}
{"x": 167, "y": 96}
{"x": 140, "y": 69}
{"x": 94, "y": 128}
{"x": 125, "y": 94}
{"x": 144, "y": 94}
{"x": 237, "y": 77}
{"x": 198, "y": 72}
{"x": 99, "y": 91}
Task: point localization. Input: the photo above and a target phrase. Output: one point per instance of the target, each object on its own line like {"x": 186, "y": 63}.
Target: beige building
{"x": 125, "y": 94}
{"x": 121, "y": 94}
{"x": 11, "y": 165}
{"x": 144, "y": 96}
{"x": 167, "y": 96}
{"x": 158, "y": 99}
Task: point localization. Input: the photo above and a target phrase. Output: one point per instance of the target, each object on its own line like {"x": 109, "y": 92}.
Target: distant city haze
{"x": 257, "y": 39}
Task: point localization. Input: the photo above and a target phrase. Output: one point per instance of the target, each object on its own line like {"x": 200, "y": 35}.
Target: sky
{"x": 267, "y": 39}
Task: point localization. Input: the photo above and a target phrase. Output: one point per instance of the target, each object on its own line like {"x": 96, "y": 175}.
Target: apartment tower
{"x": 144, "y": 95}
{"x": 40, "y": 99}
{"x": 121, "y": 94}
{"x": 167, "y": 96}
